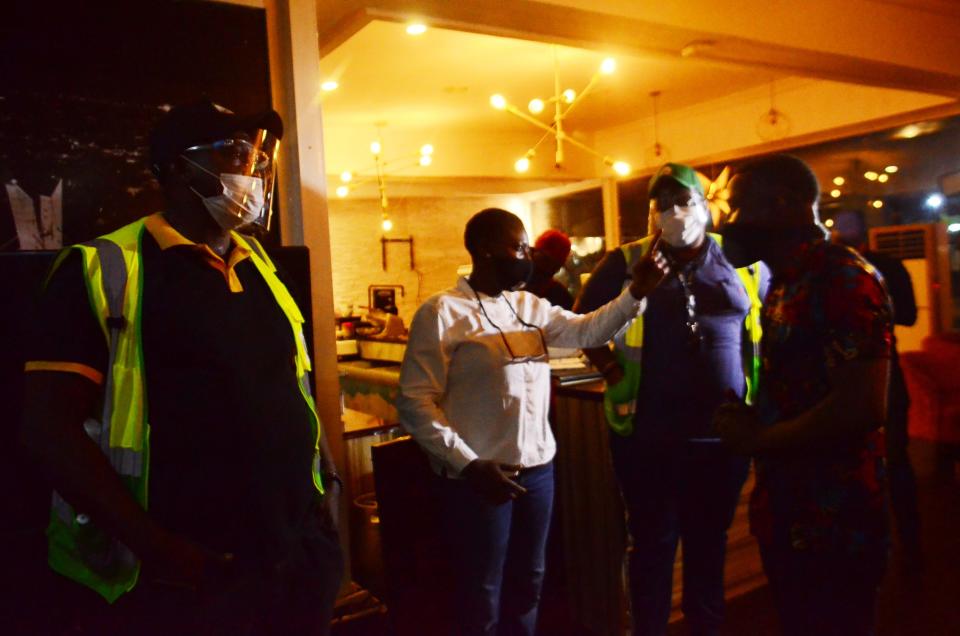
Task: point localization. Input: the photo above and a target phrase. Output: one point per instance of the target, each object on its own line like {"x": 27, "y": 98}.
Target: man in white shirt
{"x": 475, "y": 394}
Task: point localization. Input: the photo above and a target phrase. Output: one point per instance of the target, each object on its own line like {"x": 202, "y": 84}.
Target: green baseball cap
{"x": 684, "y": 175}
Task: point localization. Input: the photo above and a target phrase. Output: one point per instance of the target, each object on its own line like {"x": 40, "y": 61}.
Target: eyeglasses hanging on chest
{"x": 524, "y": 348}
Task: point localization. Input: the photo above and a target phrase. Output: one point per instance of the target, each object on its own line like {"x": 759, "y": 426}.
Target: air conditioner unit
{"x": 925, "y": 253}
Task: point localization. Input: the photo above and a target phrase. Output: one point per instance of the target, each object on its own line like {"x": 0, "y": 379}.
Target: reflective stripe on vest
{"x": 113, "y": 273}
{"x": 620, "y": 400}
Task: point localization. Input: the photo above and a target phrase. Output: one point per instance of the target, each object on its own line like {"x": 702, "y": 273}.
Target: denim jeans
{"x": 673, "y": 492}
{"x": 498, "y": 554}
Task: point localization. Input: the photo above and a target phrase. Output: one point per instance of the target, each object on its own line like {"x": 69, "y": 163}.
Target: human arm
{"x": 332, "y": 482}
{"x": 599, "y": 296}
{"x": 56, "y": 404}
{"x": 603, "y": 285}
{"x": 63, "y": 383}
{"x": 855, "y": 405}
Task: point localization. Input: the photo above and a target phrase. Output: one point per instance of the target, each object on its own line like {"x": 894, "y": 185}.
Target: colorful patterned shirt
{"x": 826, "y": 307}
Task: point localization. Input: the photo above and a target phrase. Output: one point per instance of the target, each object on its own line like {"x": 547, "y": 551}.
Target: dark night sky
{"x": 82, "y": 84}
{"x": 144, "y": 51}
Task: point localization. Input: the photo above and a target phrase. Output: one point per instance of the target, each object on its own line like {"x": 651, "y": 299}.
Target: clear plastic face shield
{"x": 244, "y": 166}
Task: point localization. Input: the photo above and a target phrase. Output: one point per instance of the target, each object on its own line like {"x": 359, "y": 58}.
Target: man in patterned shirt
{"x": 818, "y": 509}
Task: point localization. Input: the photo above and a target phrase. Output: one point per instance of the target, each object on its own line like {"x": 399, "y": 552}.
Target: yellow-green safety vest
{"x": 620, "y": 400}
{"x": 113, "y": 271}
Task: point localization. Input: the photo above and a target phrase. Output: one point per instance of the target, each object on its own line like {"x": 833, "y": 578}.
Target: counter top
{"x": 357, "y": 424}
{"x": 592, "y": 391}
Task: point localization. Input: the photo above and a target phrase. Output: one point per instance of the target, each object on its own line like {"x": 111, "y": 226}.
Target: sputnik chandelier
{"x": 350, "y": 181}
{"x": 563, "y": 102}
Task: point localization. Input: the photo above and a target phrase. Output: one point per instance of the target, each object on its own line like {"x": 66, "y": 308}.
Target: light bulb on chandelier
{"x": 773, "y": 124}
{"x": 562, "y": 102}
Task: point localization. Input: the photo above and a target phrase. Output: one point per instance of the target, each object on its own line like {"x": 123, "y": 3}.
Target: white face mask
{"x": 683, "y": 227}
{"x": 241, "y": 202}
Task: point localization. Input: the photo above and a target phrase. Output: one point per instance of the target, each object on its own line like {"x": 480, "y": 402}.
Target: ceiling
{"x": 436, "y": 87}
{"x": 445, "y": 78}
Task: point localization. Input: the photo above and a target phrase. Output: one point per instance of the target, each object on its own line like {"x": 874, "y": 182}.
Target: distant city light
{"x": 935, "y": 201}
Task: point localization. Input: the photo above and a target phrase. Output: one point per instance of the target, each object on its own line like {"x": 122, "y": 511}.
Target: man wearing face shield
{"x": 669, "y": 370}
{"x": 168, "y": 398}
{"x": 818, "y": 510}
{"x": 475, "y": 394}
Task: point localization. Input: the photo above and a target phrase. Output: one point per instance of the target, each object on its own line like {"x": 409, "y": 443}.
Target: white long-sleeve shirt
{"x": 463, "y": 395}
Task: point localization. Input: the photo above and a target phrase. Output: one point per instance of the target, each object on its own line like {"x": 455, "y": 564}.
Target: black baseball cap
{"x": 203, "y": 122}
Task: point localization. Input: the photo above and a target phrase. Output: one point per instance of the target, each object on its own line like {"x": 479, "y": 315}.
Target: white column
{"x": 295, "y": 84}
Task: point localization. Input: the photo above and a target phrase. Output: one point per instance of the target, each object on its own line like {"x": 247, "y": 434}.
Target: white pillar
{"x": 295, "y": 85}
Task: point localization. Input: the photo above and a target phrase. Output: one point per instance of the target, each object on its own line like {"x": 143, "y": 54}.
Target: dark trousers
{"x": 901, "y": 479}
{"x": 824, "y": 594}
{"x": 686, "y": 492}
{"x": 497, "y": 554}
{"x": 292, "y": 597}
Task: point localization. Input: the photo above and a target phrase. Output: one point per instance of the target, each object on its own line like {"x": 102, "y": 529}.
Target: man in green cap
{"x": 697, "y": 334}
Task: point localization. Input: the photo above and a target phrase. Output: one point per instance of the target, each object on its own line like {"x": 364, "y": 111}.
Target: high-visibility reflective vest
{"x": 113, "y": 271}
{"x": 620, "y": 400}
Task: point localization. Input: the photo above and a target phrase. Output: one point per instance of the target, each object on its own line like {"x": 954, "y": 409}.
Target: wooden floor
{"x": 910, "y": 605}
{"x": 926, "y": 604}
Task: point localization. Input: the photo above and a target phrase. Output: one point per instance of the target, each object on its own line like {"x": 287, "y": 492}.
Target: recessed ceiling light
{"x": 416, "y": 28}
{"x": 839, "y": 181}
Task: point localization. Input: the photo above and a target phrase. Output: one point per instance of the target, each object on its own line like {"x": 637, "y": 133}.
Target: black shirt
{"x": 231, "y": 440}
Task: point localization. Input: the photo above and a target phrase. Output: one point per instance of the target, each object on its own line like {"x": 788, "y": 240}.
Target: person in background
{"x": 818, "y": 510}
{"x": 549, "y": 253}
{"x": 903, "y": 483}
{"x": 475, "y": 394}
{"x": 180, "y": 327}
{"x": 697, "y": 338}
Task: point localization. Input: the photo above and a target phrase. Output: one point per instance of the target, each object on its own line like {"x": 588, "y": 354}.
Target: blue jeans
{"x": 498, "y": 554}
{"x": 681, "y": 491}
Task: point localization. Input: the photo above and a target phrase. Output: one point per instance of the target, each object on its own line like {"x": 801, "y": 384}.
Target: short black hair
{"x": 780, "y": 176}
{"x": 485, "y": 225}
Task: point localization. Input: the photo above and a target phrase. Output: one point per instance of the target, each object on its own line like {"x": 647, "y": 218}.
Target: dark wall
{"x": 84, "y": 82}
